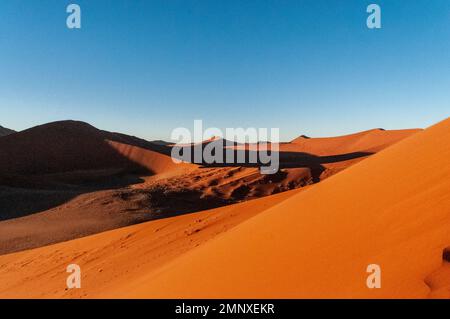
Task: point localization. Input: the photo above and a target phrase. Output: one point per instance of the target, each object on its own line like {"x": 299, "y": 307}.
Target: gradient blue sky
{"x": 146, "y": 67}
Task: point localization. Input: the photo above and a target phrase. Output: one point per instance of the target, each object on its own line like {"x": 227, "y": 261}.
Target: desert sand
{"x": 68, "y": 179}
{"x": 114, "y": 258}
{"x": 391, "y": 209}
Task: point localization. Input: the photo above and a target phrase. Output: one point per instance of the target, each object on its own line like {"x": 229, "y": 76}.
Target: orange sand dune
{"x": 319, "y": 243}
{"x": 156, "y": 162}
{"x": 111, "y": 259}
{"x": 369, "y": 141}
{"x": 99, "y": 180}
{"x": 392, "y": 209}
{"x": 302, "y": 162}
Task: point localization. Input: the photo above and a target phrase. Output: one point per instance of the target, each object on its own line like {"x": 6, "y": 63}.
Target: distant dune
{"x": 67, "y": 179}
{"x": 390, "y": 209}
{"x": 368, "y": 141}
{"x": 67, "y": 146}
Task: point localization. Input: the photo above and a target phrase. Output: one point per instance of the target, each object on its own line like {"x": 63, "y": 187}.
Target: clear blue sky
{"x": 144, "y": 67}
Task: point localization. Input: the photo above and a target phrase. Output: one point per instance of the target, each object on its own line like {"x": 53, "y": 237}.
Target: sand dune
{"x": 155, "y": 162}
{"x": 367, "y": 141}
{"x": 70, "y": 171}
{"x": 391, "y": 209}
{"x": 119, "y": 256}
{"x": 72, "y": 146}
{"x": 98, "y": 180}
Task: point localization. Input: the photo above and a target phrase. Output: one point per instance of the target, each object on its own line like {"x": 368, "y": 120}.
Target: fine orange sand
{"x": 114, "y": 258}
{"x": 392, "y": 209}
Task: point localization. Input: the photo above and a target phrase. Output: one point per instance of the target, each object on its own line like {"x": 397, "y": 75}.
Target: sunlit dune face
{"x": 309, "y": 232}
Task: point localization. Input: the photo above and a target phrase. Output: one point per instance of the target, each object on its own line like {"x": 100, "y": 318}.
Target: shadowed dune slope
{"x": 67, "y": 146}
{"x": 5, "y": 131}
{"x": 57, "y": 147}
{"x": 392, "y": 209}
{"x": 59, "y": 168}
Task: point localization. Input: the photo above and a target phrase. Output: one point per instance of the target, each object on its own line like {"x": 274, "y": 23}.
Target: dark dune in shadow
{"x": 48, "y": 165}
{"x": 18, "y": 202}
{"x": 63, "y": 147}
{"x": 5, "y": 131}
